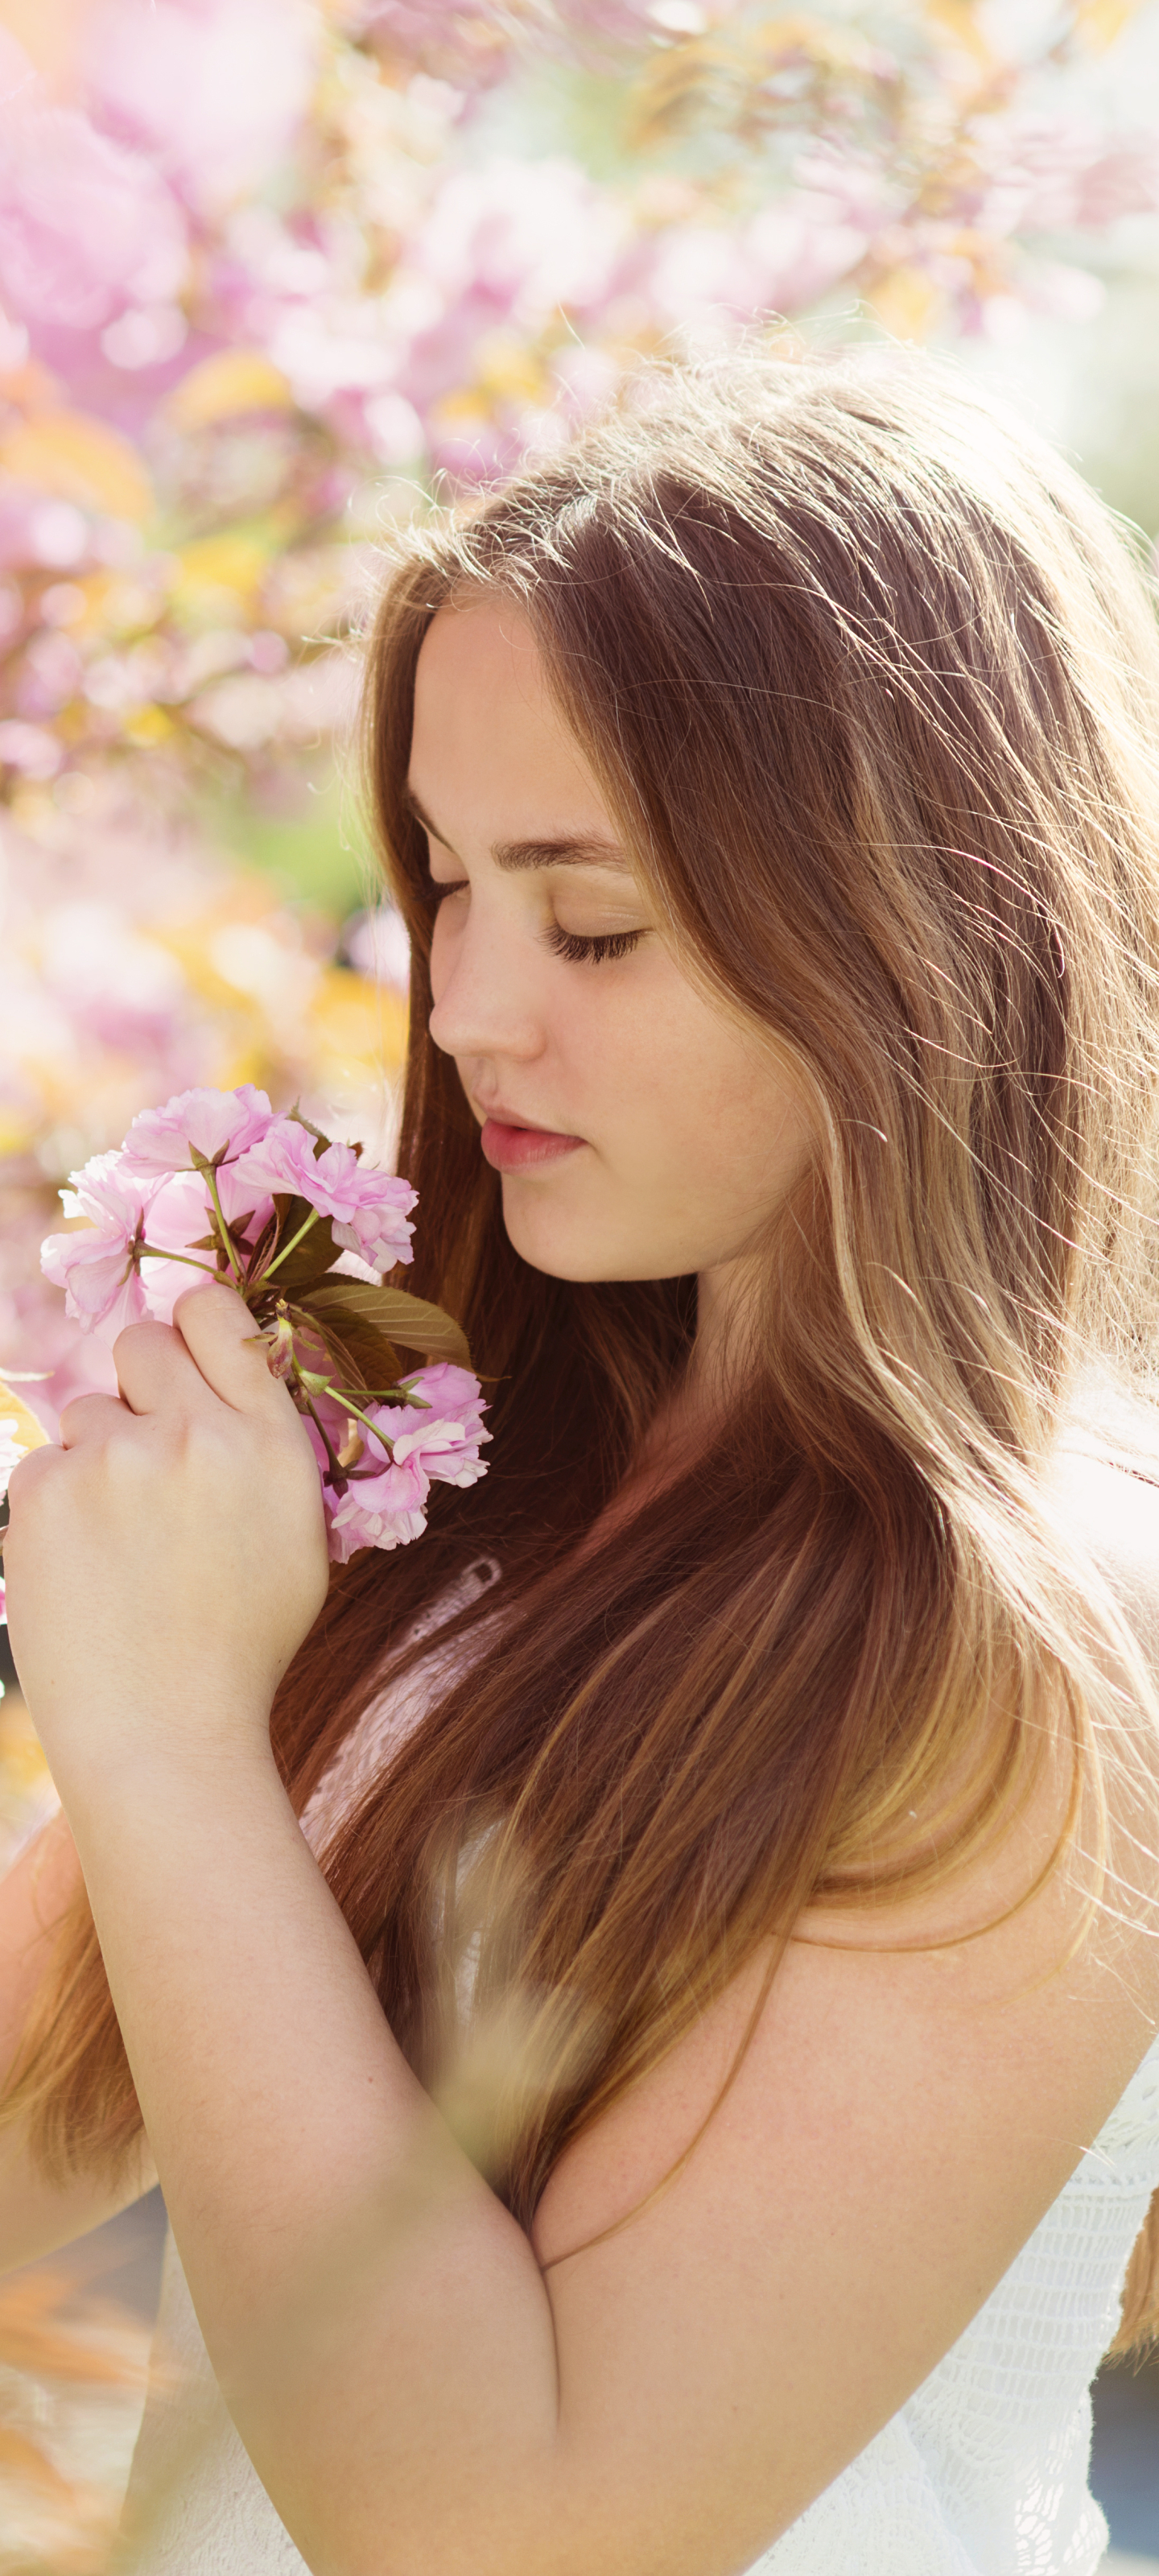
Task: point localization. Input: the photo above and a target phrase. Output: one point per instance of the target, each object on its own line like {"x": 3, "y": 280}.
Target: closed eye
{"x": 605, "y": 944}
{"x": 594, "y": 949}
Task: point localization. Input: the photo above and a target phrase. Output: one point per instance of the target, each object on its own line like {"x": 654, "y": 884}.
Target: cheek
{"x": 702, "y": 1107}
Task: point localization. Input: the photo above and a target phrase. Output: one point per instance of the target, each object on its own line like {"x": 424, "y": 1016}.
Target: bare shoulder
{"x": 872, "y": 2140}
{"x": 973, "y": 1984}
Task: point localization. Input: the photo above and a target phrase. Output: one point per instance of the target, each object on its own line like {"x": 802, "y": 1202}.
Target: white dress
{"x": 982, "y": 2473}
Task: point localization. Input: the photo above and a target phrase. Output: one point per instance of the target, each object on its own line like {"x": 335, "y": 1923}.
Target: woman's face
{"x": 642, "y": 1129}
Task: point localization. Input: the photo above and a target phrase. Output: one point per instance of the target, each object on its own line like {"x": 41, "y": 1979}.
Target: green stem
{"x": 226, "y": 1237}
{"x": 364, "y": 1418}
{"x": 291, "y": 1246}
{"x": 150, "y": 1252}
{"x": 324, "y": 1437}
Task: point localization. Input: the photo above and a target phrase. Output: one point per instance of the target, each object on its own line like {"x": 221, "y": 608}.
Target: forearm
{"x": 377, "y": 2321}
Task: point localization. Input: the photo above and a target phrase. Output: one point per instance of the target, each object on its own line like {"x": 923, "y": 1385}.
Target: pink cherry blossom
{"x": 213, "y": 90}
{"x": 85, "y": 226}
{"x": 378, "y": 1230}
{"x": 376, "y": 1511}
{"x": 445, "y": 1441}
{"x": 211, "y": 1122}
{"x": 367, "y": 1208}
{"x": 387, "y": 1508}
{"x": 97, "y": 1267}
{"x": 180, "y": 1215}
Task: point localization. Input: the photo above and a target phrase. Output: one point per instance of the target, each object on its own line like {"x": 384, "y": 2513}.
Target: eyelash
{"x": 609, "y": 944}
{"x": 602, "y": 947}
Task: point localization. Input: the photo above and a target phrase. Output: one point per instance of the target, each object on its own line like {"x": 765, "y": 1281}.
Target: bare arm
{"x": 36, "y": 2216}
{"x": 421, "y": 2388}
{"x": 424, "y": 2392}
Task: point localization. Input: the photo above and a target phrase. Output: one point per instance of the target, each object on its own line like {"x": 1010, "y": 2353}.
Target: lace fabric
{"x": 982, "y": 2473}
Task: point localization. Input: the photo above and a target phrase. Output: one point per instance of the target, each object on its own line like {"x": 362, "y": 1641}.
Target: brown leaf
{"x": 311, "y": 1258}
{"x": 408, "y": 1321}
{"x": 362, "y": 1356}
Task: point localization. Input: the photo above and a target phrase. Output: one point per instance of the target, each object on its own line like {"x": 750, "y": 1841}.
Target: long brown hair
{"x": 870, "y": 683}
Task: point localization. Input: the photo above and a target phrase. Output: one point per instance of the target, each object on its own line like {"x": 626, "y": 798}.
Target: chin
{"x": 575, "y": 1252}
{"x": 559, "y": 1261}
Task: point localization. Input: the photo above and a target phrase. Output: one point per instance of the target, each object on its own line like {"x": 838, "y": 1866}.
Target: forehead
{"x": 488, "y": 739}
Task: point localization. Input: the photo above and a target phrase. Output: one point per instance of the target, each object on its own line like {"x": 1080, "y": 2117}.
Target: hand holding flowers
{"x": 168, "y": 1561}
{"x": 215, "y": 1183}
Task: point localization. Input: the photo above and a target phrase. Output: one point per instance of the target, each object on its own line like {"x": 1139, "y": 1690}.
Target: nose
{"x": 485, "y": 1004}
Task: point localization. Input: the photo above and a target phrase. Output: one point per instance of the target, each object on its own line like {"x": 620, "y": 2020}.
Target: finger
{"x": 154, "y": 1369}
{"x": 90, "y": 1417}
{"x": 26, "y": 1474}
{"x": 223, "y": 1338}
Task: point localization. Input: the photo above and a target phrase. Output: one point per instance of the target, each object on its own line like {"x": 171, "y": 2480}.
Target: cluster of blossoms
{"x": 277, "y": 273}
{"x": 276, "y": 266}
{"x": 274, "y": 275}
{"x": 136, "y": 962}
{"x": 215, "y": 1184}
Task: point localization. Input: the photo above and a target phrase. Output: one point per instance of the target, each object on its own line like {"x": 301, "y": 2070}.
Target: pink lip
{"x": 511, "y": 1148}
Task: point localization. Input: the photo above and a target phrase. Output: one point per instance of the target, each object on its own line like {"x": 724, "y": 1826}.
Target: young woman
{"x": 686, "y": 2092}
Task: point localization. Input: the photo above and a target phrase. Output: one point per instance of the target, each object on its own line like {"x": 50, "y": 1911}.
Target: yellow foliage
{"x": 23, "y": 1769}
{"x": 466, "y": 410}
{"x": 240, "y": 1062}
{"x": 18, "y": 1131}
{"x": 190, "y": 942}
{"x": 114, "y": 604}
{"x": 25, "y": 1797}
{"x": 221, "y": 576}
{"x": 76, "y": 2364}
{"x": 147, "y": 726}
{"x": 358, "y": 1028}
{"x": 509, "y": 370}
{"x": 906, "y": 302}
{"x": 831, "y": 48}
{"x": 28, "y": 1432}
{"x": 960, "y": 20}
{"x": 48, "y": 30}
{"x": 1100, "y": 21}
{"x": 721, "y": 75}
{"x": 231, "y": 382}
{"x": 79, "y": 459}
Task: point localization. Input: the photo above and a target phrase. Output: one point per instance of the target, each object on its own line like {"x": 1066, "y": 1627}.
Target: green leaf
{"x": 409, "y": 1321}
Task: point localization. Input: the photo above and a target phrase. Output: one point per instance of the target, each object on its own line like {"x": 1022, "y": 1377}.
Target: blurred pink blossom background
{"x": 275, "y": 277}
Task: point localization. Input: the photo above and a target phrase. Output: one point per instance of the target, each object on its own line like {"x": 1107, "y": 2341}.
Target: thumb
{"x": 222, "y": 1338}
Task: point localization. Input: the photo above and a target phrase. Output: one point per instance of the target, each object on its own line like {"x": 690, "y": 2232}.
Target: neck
{"x": 724, "y": 1302}
{"x": 685, "y": 1420}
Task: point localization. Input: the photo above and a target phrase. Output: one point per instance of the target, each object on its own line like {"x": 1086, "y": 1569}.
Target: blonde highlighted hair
{"x": 871, "y": 684}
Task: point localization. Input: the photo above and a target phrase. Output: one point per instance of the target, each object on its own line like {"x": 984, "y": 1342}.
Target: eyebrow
{"x": 570, "y": 849}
